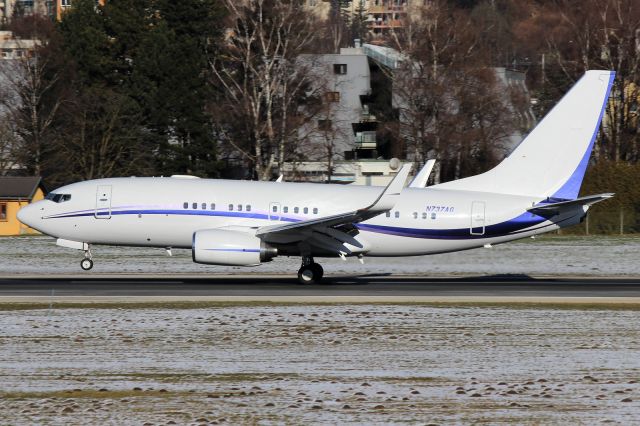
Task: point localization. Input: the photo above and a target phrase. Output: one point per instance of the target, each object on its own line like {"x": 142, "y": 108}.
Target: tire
{"x": 319, "y": 271}
{"x": 308, "y": 275}
{"x": 86, "y": 264}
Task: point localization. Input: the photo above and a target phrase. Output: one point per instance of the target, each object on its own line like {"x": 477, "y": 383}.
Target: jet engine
{"x": 234, "y": 248}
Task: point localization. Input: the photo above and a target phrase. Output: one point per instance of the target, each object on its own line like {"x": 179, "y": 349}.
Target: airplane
{"x": 224, "y": 222}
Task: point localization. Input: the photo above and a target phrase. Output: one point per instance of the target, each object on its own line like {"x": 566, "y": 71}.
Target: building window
{"x": 65, "y": 3}
{"x": 324, "y": 125}
{"x": 3, "y": 212}
{"x": 340, "y": 69}
{"x": 332, "y": 96}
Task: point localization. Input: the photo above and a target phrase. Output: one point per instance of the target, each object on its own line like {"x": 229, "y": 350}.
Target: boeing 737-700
{"x": 225, "y": 222}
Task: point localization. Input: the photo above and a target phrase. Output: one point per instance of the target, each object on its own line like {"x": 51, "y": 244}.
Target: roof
{"x": 12, "y": 187}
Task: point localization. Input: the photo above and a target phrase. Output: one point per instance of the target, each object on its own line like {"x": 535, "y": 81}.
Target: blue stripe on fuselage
{"x": 516, "y": 225}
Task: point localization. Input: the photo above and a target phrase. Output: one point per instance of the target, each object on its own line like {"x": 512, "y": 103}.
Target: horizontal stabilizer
{"x": 553, "y": 208}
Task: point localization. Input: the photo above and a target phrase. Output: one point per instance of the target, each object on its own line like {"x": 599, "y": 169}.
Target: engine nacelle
{"x": 234, "y": 248}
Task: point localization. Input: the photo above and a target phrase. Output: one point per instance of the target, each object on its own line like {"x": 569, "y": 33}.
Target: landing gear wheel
{"x": 310, "y": 274}
{"x": 318, "y": 270}
{"x": 86, "y": 264}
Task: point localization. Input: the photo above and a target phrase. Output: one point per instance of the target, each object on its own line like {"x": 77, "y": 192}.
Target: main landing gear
{"x": 310, "y": 272}
{"x": 87, "y": 262}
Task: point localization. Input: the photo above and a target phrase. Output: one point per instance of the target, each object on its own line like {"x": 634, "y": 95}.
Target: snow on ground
{"x": 332, "y": 364}
{"x": 545, "y": 255}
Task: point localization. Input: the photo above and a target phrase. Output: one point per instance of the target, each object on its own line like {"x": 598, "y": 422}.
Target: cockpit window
{"x": 58, "y": 198}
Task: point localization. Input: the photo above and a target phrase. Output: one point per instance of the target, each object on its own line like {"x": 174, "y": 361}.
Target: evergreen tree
{"x": 182, "y": 43}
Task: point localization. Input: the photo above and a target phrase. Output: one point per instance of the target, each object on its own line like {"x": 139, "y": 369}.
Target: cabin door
{"x": 274, "y": 211}
{"x": 103, "y": 202}
{"x": 477, "y": 217}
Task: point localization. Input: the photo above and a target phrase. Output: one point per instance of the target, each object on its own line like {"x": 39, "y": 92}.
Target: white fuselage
{"x": 165, "y": 212}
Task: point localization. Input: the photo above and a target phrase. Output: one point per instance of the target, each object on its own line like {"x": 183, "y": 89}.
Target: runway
{"x": 335, "y": 288}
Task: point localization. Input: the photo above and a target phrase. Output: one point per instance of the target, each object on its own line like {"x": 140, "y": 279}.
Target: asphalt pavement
{"x": 353, "y": 286}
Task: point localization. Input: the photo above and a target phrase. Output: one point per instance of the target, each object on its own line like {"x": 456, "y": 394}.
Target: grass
{"x": 91, "y": 394}
{"x": 207, "y": 377}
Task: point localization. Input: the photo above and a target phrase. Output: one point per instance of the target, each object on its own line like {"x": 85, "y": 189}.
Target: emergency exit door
{"x": 103, "y": 202}
{"x": 477, "y": 217}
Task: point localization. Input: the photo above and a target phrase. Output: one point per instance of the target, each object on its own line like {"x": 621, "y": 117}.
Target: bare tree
{"x": 30, "y": 103}
{"x": 101, "y": 134}
{"x": 9, "y": 143}
{"x": 258, "y": 78}
{"x": 442, "y": 89}
{"x": 575, "y": 36}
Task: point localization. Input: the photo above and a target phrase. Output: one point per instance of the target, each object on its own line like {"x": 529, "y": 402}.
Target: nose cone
{"x": 28, "y": 215}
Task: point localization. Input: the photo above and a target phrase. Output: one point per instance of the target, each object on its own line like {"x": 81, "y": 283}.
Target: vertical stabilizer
{"x": 551, "y": 161}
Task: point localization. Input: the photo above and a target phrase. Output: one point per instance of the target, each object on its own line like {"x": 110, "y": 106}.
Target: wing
{"x": 323, "y": 233}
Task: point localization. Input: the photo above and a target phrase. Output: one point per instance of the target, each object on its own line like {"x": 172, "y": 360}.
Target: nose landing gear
{"x": 310, "y": 272}
{"x": 87, "y": 262}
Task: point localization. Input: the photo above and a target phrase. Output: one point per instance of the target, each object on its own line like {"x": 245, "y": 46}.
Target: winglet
{"x": 388, "y": 197}
{"x": 420, "y": 181}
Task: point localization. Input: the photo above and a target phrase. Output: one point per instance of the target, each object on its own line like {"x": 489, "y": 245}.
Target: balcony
{"x": 366, "y": 140}
{"x": 390, "y": 23}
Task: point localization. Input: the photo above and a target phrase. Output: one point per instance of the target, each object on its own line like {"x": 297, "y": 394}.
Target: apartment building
{"x": 382, "y": 15}
{"x": 50, "y": 8}
{"x": 12, "y": 48}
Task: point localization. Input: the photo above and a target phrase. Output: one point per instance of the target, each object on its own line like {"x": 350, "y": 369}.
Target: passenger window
{"x": 248, "y": 207}
{"x": 275, "y": 209}
{"x": 424, "y": 215}
{"x": 239, "y": 207}
{"x": 285, "y": 209}
{"x": 230, "y": 207}
{"x": 195, "y": 206}
{"x": 315, "y": 210}
{"x": 185, "y": 205}
{"x": 213, "y": 206}
{"x": 397, "y": 215}
{"x": 415, "y": 215}
{"x": 306, "y": 210}
{"x": 296, "y": 210}
{"x": 433, "y": 215}
{"x": 388, "y": 214}
{"x": 204, "y": 206}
